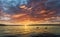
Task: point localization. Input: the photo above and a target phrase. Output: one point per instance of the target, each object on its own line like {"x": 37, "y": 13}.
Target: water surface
{"x": 27, "y": 30}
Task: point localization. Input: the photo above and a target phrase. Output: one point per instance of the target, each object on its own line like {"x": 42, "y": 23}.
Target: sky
{"x": 29, "y": 12}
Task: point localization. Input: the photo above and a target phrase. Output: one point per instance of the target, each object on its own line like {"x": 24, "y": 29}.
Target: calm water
{"x": 26, "y": 30}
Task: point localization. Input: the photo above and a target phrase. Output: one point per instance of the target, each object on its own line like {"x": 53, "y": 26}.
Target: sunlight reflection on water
{"x": 12, "y": 30}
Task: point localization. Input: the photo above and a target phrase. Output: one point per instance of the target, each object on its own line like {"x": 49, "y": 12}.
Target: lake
{"x": 28, "y": 30}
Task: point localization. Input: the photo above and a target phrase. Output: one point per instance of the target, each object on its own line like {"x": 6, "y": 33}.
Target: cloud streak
{"x": 30, "y": 10}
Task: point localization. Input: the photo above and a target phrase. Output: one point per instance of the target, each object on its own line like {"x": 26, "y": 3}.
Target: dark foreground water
{"x": 29, "y": 31}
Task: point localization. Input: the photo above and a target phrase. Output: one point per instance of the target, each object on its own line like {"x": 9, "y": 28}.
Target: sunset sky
{"x": 24, "y": 12}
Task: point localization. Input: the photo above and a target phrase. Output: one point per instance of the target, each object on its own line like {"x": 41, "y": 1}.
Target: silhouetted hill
{"x": 2, "y": 25}
{"x": 9, "y": 25}
{"x": 44, "y": 25}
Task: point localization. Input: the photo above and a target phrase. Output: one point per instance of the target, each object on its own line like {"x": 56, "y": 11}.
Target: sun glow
{"x": 26, "y": 12}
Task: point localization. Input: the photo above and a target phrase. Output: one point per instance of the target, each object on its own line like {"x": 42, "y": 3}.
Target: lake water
{"x": 27, "y": 30}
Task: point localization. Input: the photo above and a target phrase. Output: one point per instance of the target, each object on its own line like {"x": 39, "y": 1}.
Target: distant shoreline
{"x": 11, "y": 25}
{"x": 33, "y": 25}
{"x": 45, "y": 25}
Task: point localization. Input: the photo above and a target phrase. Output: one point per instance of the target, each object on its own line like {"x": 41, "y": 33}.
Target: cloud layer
{"x": 30, "y": 10}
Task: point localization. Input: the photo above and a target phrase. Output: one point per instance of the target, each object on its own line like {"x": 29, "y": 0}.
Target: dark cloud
{"x": 33, "y": 9}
